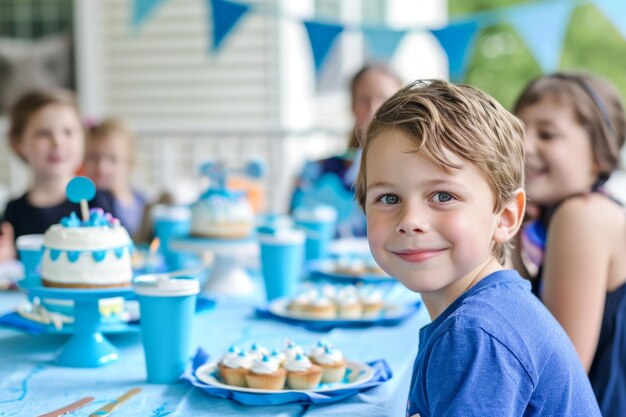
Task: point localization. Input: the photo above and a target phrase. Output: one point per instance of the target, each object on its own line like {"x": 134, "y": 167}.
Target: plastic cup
{"x": 319, "y": 224}
{"x": 167, "y": 309}
{"x": 282, "y": 256}
{"x": 30, "y": 249}
{"x": 170, "y": 222}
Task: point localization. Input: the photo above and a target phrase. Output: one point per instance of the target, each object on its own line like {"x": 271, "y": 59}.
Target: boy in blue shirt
{"x": 441, "y": 183}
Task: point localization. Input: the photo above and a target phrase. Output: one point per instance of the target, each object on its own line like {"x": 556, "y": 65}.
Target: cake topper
{"x": 217, "y": 172}
{"x": 79, "y": 191}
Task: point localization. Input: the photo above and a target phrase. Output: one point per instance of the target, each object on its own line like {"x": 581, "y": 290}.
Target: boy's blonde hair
{"x": 113, "y": 126}
{"x": 438, "y": 116}
{"x": 30, "y": 103}
{"x": 597, "y": 106}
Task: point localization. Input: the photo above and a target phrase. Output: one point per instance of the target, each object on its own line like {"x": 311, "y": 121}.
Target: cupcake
{"x": 302, "y": 301}
{"x": 332, "y": 363}
{"x": 234, "y": 366}
{"x": 349, "y": 306}
{"x": 267, "y": 374}
{"x": 323, "y": 308}
{"x": 301, "y": 373}
{"x": 257, "y": 351}
{"x": 372, "y": 303}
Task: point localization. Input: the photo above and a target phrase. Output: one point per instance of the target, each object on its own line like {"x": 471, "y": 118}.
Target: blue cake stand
{"x": 87, "y": 347}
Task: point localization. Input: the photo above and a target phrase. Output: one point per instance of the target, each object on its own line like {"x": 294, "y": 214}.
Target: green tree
{"x": 502, "y": 64}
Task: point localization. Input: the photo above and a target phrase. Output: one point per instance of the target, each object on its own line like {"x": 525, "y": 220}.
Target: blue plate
{"x": 390, "y": 316}
{"x": 202, "y": 376}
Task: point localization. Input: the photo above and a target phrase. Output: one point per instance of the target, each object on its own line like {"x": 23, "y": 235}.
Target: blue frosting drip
{"x": 54, "y": 254}
{"x": 73, "y": 255}
{"x": 119, "y": 252}
{"x": 98, "y": 255}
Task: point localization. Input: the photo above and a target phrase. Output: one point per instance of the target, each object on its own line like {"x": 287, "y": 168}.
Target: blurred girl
{"x": 575, "y": 126}
{"x": 109, "y": 160}
{"x": 369, "y": 88}
{"x": 46, "y": 133}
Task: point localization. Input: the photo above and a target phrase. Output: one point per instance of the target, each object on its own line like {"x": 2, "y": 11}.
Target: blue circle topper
{"x": 80, "y": 188}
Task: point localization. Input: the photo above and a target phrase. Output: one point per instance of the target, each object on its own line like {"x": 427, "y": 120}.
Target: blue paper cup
{"x": 170, "y": 222}
{"x": 167, "y": 309}
{"x": 319, "y": 224}
{"x": 30, "y": 249}
{"x": 282, "y": 256}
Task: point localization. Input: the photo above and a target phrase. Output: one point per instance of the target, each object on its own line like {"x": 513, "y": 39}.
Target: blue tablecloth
{"x": 30, "y": 383}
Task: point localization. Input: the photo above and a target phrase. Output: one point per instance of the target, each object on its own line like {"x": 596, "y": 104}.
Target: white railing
{"x": 169, "y": 160}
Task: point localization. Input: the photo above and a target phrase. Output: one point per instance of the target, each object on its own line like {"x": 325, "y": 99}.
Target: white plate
{"x": 359, "y": 373}
{"x": 327, "y": 268}
{"x": 279, "y": 308}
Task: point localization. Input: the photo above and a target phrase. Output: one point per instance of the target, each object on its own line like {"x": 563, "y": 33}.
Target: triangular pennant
{"x": 457, "y": 40}
{"x": 543, "y": 27}
{"x": 142, "y": 10}
{"x": 224, "y": 16}
{"x": 322, "y": 36}
{"x": 382, "y": 43}
{"x": 615, "y": 10}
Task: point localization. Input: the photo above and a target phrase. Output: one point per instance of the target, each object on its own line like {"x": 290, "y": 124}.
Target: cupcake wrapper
{"x": 275, "y": 381}
{"x": 305, "y": 380}
{"x": 234, "y": 376}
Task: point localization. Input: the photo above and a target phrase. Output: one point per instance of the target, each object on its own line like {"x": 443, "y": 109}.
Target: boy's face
{"x": 429, "y": 229}
{"x": 108, "y": 162}
{"x": 53, "y": 142}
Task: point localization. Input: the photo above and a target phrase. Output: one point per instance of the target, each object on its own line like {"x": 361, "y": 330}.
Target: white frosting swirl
{"x": 298, "y": 363}
{"x": 348, "y": 299}
{"x": 322, "y": 302}
{"x": 319, "y": 348}
{"x": 241, "y": 360}
{"x": 257, "y": 351}
{"x": 372, "y": 297}
{"x": 292, "y": 351}
{"x": 265, "y": 366}
{"x": 328, "y": 356}
{"x": 278, "y": 356}
{"x": 232, "y": 352}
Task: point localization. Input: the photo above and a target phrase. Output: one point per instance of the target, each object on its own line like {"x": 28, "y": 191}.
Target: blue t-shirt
{"x": 497, "y": 351}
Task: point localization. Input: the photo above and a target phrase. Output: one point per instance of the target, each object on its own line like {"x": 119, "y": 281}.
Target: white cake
{"x": 222, "y": 214}
{"x": 90, "y": 254}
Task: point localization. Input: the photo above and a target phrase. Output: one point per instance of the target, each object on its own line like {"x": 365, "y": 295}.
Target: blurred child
{"x": 575, "y": 126}
{"x": 369, "y": 88}
{"x": 109, "y": 160}
{"x": 46, "y": 133}
{"x": 441, "y": 185}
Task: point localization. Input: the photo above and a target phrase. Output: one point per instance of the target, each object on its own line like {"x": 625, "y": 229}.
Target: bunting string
{"x": 542, "y": 25}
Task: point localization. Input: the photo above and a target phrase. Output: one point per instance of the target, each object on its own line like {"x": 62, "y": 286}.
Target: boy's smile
{"x": 432, "y": 230}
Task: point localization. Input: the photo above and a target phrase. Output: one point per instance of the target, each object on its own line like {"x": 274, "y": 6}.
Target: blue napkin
{"x": 382, "y": 373}
{"x": 16, "y": 322}
{"x": 327, "y": 325}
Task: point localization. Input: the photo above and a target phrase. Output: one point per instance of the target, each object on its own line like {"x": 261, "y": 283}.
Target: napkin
{"x": 382, "y": 373}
